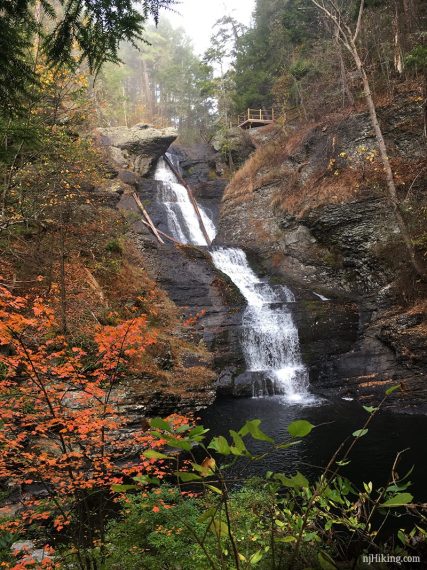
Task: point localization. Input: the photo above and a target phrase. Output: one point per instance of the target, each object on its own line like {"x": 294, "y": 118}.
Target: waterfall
{"x": 182, "y": 220}
{"x": 269, "y": 336}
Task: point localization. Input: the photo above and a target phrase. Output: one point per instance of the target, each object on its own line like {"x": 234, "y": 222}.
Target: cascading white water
{"x": 182, "y": 220}
{"x": 270, "y": 337}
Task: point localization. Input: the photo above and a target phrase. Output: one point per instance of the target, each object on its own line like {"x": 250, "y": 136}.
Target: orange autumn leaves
{"x": 61, "y": 425}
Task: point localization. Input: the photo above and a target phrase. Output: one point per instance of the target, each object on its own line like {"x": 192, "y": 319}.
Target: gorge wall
{"x": 310, "y": 206}
{"x": 207, "y": 303}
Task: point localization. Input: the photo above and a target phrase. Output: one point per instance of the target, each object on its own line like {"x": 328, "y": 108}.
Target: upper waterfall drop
{"x": 270, "y": 338}
{"x": 182, "y": 220}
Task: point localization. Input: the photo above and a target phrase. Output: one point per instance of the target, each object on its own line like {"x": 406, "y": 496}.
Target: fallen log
{"x": 147, "y": 217}
{"x": 167, "y": 236}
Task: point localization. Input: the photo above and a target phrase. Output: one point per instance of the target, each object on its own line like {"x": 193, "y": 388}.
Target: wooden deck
{"x": 255, "y": 118}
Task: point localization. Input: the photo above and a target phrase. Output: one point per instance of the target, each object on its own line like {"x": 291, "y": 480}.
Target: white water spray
{"x": 182, "y": 220}
{"x": 270, "y": 338}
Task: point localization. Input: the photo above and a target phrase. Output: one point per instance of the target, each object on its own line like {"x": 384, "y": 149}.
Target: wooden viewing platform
{"x": 255, "y": 118}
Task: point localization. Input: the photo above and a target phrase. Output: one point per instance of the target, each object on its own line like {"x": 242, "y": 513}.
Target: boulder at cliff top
{"x": 136, "y": 148}
{"x": 235, "y": 144}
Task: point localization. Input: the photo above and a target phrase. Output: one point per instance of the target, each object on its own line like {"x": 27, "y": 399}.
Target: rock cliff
{"x": 208, "y": 303}
{"x": 311, "y": 207}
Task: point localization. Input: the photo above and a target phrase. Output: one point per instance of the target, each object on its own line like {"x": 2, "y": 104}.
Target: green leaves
{"x": 152, "y": 454}
{"x": 253, "y": 428}
{"x": 392, "y": 389}
{"x": 219, "y": 527}
{"x": 370, "y": 409}
{"x": 186, "y": 477}
{"x": 300, "y": 428}
{"x": 178, "y": 443}
{"x": 343, "y": 462}
{"x": 239, "y": 445}
{"x": 160, "y": 424}
{"x": 146, "y": 480}
{"x": 296, "y": 481}
{"x": 256, "y": 557}
{"x": 197, "y": 433}
{"x": 220, "y": 444}
{"x": 398, "y": 500}
{"x": 209, "y": 514}
{"x": 360, "y": 432}
{"x": 123, "y": 488}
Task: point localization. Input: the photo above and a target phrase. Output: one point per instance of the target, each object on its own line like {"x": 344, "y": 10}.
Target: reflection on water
{"x": 372, "y": 458}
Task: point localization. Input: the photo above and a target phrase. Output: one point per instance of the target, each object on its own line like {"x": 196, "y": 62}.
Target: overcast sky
{"x": 197, "y": 17}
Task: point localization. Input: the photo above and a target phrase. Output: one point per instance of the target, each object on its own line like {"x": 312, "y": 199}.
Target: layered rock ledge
{"x": 136, "y": 148}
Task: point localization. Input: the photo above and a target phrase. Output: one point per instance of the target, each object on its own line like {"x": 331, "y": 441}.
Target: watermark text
{"x": 389, "y": 559}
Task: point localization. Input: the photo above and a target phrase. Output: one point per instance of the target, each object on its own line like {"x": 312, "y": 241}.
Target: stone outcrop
{"x": 136, "y": 148}
{"x": 234, "y": 144}
{"x": 207, "y": 300}
{"x": 339, "y": 256}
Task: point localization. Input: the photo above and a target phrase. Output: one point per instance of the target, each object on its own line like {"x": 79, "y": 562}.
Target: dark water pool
{"x": 372, "y": 458}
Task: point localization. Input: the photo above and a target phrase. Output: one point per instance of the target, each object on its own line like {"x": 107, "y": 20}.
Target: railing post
{"x": 260, "y": 117}
{"x": 249, "y": 114}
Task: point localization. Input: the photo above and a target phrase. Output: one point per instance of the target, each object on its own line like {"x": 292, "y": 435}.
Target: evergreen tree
{"x": 95, "y": 28}
{"x": 161, "y": 82}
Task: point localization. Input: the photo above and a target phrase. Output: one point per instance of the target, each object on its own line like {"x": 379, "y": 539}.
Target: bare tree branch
{"x": 344, "y": 34}
{"x": 359, "y": 20}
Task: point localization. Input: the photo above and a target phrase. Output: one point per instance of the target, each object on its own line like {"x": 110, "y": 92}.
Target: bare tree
{"x": 348, "y": 38}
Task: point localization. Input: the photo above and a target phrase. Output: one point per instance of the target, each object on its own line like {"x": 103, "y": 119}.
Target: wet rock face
{"x": 335, "y": 247}
{"x": 198, "y": 289}
{"x": 136, "y": 148}
{"x": 192, "y": 282}
{"x": 355, "y": 235}
{"x": 405, "y": 335}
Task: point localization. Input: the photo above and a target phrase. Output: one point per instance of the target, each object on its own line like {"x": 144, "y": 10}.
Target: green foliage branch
{"x": 91, "y": 29}
{"x": 278, "y": 521}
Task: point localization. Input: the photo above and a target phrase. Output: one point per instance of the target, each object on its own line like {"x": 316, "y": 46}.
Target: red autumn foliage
{"x": 60, "y": 414}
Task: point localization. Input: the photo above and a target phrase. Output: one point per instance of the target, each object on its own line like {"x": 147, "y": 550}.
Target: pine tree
{"x": 95, "y": 28}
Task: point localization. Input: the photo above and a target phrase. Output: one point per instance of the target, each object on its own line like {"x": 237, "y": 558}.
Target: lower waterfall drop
{"x": 270, "y": 338}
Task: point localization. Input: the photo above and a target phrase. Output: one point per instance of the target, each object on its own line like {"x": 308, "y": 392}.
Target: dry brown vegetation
{"x": 294, "y": 191}
{"x": 332, "y": 176}
{"x": 90, "y": 269}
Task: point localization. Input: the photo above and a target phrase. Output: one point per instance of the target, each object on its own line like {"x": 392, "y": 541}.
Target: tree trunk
{"x": 391, "y": 187}
{"x": 425, "y": 104}
{"x": 345, "y": 86}
{"x": 147, "y": 91}
{"x": 124, "y": 105}
{"x": 62, "y": 280}
{"x": 398, "y": 58}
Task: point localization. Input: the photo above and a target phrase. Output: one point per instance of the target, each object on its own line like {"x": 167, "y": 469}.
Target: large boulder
{"x": 136, "y": 148}
{"x": 234, "y": 144}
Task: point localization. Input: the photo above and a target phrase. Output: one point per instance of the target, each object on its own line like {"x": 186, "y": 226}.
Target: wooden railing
{"x": 266, "y": 115}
